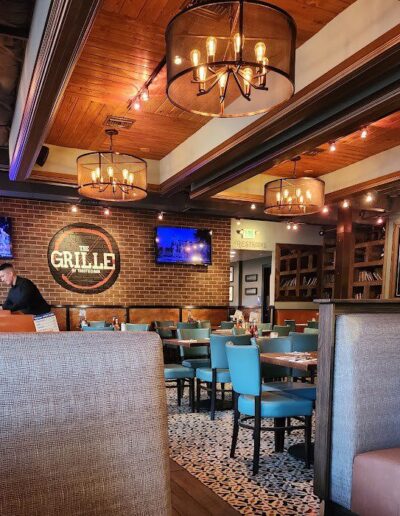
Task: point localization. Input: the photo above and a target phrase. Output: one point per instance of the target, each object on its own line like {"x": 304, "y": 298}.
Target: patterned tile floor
{"x": 283, "y": 486}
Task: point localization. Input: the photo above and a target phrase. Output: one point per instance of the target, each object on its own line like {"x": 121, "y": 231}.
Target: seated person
{"x": 23, "y": 296}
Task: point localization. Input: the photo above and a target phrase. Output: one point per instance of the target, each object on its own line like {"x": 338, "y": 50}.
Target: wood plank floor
{"x": 192, "y": 498}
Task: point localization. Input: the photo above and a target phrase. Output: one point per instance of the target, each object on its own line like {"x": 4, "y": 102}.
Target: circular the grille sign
{"x": 84, "y": 258}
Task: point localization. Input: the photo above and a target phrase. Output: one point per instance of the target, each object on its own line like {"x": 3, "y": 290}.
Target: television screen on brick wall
{"x": 183, "y": 245}
{"x": 5, "y": 238}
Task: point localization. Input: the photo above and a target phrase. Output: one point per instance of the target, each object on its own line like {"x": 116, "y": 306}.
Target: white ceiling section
{"x": 353, "y": 29}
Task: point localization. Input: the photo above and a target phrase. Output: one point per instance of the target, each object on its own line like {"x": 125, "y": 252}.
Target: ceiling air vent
{"x": 314, "y": 152}
{"x": 119, "y": 122}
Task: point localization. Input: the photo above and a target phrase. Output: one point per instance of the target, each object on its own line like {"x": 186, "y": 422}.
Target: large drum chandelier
{"x": 229, "y": 58}
{"x": 294, "y": 196}
{"x": 112, "y": 176}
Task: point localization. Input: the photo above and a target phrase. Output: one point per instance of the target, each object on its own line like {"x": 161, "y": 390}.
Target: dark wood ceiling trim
{"x": 312, "y": 99}
{"x": 67, "y": 27}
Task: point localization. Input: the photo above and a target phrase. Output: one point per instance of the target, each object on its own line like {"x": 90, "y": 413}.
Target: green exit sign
{"x": 249, "y": 233}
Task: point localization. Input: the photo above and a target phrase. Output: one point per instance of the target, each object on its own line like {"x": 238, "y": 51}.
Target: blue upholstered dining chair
{"x": 238, "y": 331}
{"x": 204, "y": 324}
{"x": 264, "y": 326}
{"x": 291, "y": 323}
{"x": 162, "y": 328}
{"x": 303, "y": 342}
{"x": 227, "y": 325}
{"x": 186, "y": 325}
{"x": 98, "y": 328}
{"x": 251, "y": 402}
{"x": 311, "y": 331}
{"x": 282, "y": 331}
{"x": 218, "y": 372}
{"x": 198, "y": 356}
{"x": 137, "y": 327}
{"x": 313, "y": 324}
{"x": 97, "y": 324}
{"x": 178, "y": 373}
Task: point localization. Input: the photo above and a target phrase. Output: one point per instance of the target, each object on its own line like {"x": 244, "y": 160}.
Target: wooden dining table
{"x": 186, "y": 343}
{"x": 293, "y": 360}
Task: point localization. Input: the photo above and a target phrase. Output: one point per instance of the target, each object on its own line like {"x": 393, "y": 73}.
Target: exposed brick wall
{"x": 141, "y": 281}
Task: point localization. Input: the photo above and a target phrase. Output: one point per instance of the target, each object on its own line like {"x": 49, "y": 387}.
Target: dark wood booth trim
{"x": 67, "y": 314}
{"x": 328, "y": 311}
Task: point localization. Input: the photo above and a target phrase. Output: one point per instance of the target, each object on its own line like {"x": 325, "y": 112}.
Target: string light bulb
{"x": 364, "y": 133}
{"x": 345, "y": 204}
{"x": 106, "y": 212}
{"x": 145, "y": 95}
{"x": 253, "y": 206}
{"x": 379, "y": 220}
{"x": 178, "y": 60}
{"x": 289, "y": 226}
{"x": 160, "y": 215}
{"x": 136, "y": 105}
{"x": 325, "y": 209}
{"x": 238, "y": 222}
{"x": 369, "y": 197}
{"x": 332, "y": 146}
{"x": 295, "y": 227}
{"x": 74, "y": 208}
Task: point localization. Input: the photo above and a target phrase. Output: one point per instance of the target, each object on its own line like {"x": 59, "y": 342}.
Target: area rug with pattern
{"x": 283, "y": 486}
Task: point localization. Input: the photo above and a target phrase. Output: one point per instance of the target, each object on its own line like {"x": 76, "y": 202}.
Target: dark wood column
{"x": 344, "y": 252}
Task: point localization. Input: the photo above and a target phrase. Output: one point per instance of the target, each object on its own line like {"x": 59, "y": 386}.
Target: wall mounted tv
{"x": 5, "y": 238}
{"x": 183, "y": 245}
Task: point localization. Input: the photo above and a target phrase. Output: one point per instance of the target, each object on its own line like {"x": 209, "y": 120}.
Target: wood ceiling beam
{"x": 363, "y": 88}
{"x": 67, "y": 27}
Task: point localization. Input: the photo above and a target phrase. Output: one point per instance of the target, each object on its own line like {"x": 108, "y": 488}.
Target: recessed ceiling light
{"x": 325, "y": 209}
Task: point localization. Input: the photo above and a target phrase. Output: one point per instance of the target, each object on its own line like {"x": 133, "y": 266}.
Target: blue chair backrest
{"x": 227, "y": 325}
{"x": 137, "y": 327}
{"x": 304, "y": 342}
{"x": 313, "y": 324}
{"x": 186, "y": 325}
{"x": 283, "y": 331}
{"x": 163, "y": 324}
{"x": 97, "y": 324}
{"x": 291, "y": 323}
{"x": 218, "y": 351}
{"x": 238, "y": 331}
{"x": 193, "y": 333}
{"x": 274, "y": 345}
{"x": 204, "y": 324}
{"x": 264, "y": 326}
{"x": 313, "y": 331}
{"x": 98, "y": 328}
{"x": 244, "y": 368}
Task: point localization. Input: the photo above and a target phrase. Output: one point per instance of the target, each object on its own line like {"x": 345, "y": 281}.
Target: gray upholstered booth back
{"x": 366, "y": 393}
{"x": 83, "y": 425}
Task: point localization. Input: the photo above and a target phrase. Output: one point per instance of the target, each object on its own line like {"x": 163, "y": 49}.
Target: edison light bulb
{"x": 278, "y": 197}
{"x": 202, "y": 77}
{"x": 259, "y": 51}
{"x": 145, "y": 95}
{"x": 222, "y": 83}
{"x": 98, "y": 172}
{"x": 298, "y": 192}
{"x": 94, "y": 176}
{"x": 125, "y": 173}
{"x": 131, "y": 178}
{"x": 285, "y": 193}
{"x": 178, "y": 60}
{"x": 195, "y": 57}
{"x": 248, "y": 75}
{"x": 237, "y": 44}
{"x": 308, "y": 195}
{"x": 301, "y": 199}
{"x": 110, "y": 171}
{"x": 211, "y": 45}
{"x": 290, "y": 200}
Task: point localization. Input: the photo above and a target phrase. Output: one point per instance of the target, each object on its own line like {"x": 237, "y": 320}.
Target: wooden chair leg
{"x": 235, "y": 424}
{"x": 257, "y": 433}
{"x": 191, "y": 393}
{"x": 213, "y": 394}
{"x": 307, "y": 439}
{"x": 288, "y": 423}
{"x": 178, "y": 390}
{"x": 198, "y": 394}
{"x": 279, "y": 422}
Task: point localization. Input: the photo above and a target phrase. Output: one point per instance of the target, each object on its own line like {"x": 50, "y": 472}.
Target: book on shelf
{"x": 369, "y": 276}
{"x": 309, "y": 282}
{"x": 288, "y": 283}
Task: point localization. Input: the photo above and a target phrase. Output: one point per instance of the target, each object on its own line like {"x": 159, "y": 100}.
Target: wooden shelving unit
{"x": 328, "y": 265}
{"x": 298, "y": 272}
{"x": 366, "y": 281}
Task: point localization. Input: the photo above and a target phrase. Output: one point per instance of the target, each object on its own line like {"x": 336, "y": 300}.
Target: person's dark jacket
{"x": 25, "y": 297}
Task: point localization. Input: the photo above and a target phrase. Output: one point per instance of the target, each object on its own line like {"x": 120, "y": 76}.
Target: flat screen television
{"x": 183, "y": 245}
{"x": 5, "y": 238}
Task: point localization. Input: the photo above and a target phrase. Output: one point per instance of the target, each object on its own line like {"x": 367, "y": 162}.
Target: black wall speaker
{"x": 43, "y": 154}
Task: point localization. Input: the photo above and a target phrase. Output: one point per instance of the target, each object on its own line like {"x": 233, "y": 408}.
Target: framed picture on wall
{"x": 231, "y": 274}
{"x": 231, "y": 294}
{"x": 250, "y": 291}
{"x": 250, "y": 278}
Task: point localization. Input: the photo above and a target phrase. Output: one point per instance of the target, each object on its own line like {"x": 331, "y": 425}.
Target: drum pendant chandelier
{"x": 294, "y": 196}
{"x": 112, "y": 176}
{"x": 229, "y": 58}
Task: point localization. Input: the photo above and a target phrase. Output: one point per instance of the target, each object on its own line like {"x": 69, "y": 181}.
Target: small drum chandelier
{"x": 112, "y": 176}
{"x": 294, "y": 196}
{"x": 228, "y": 58}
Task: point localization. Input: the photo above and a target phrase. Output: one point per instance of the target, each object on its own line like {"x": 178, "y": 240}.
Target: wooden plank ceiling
{"x": 382, "y": 135}
{"x": 124, "y": 46}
